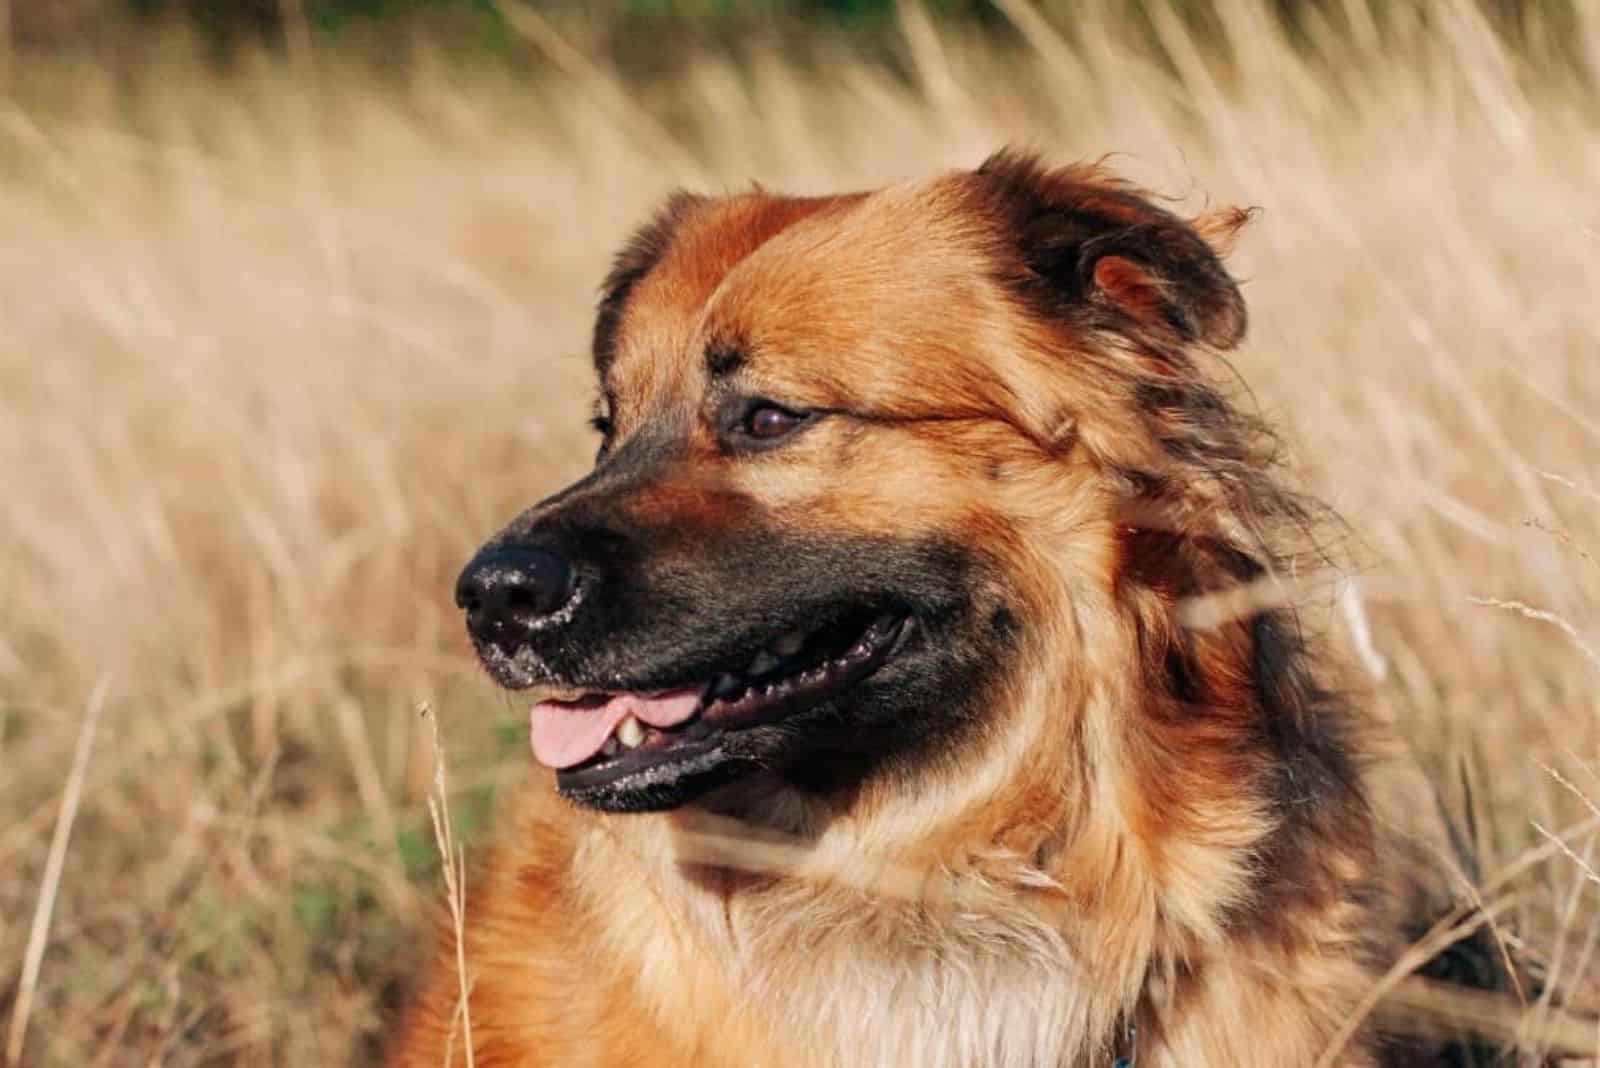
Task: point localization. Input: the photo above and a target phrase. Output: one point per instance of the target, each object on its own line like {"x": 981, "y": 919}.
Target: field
{"x": 280, "y": 345}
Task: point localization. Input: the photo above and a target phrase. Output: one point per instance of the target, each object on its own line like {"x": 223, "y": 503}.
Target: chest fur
{"x": 842, "y": 977}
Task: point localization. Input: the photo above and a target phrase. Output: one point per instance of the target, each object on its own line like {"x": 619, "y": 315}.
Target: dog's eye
{"x": 767, "y": 421}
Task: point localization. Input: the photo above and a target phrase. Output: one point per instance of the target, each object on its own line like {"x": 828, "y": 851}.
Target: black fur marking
{"x": 1003, "y": 622}
{"x": 1181, "y": 678}
{"x": 1305, "y": 722}
{"x": 637, "y": 258}
{"x": 723, "y": 359}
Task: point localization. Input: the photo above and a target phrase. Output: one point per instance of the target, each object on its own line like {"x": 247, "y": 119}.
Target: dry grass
{"x": 279, "y": 349}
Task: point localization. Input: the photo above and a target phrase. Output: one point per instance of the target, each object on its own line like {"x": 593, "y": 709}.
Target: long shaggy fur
{"x": 1154, "y": 838}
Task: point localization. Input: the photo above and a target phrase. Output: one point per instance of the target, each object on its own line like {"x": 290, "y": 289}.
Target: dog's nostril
{"x": 550, "y": 586}
{"x": 525, "y": 599}
{"x": 513, "y": 582}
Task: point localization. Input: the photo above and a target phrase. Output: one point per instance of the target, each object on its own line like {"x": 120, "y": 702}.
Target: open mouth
{"x": 599, "y": 738}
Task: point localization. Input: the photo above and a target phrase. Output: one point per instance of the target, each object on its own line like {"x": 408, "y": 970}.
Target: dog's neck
{"x": 881, "y": 935}
{"x": 1000, "y": 926}
{"x": 854, "y": 960}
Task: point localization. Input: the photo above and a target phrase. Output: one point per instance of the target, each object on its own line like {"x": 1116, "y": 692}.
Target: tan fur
{"x": 1093, "y": 864}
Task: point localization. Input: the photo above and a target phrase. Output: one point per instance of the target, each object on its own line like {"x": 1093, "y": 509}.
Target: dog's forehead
{"x": 901, "y": 273}
{"x": 707, "y": 238}
{"x": 796, "y": 275}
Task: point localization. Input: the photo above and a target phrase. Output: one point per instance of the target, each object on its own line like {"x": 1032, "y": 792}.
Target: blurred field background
{"x": 294, "y": 302}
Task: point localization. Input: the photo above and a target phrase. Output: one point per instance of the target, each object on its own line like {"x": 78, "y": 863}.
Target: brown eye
{"x": 768, "y": 422}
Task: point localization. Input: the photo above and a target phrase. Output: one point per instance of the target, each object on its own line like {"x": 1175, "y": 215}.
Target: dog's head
{"x": 859, "y": 455}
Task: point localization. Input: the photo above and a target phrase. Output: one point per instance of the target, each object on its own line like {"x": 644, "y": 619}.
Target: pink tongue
{"x": 566, "y": 734}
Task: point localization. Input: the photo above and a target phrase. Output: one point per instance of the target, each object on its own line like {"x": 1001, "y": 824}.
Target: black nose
{"x": 506, "y": 590}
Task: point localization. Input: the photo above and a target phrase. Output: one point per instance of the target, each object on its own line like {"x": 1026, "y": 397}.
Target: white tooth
{"x": 629, "y": 733}
{"x": 789, "y": 644}
{"x": 763, "y": 663}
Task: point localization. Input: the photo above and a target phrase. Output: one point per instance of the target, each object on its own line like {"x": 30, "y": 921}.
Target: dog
{"x": 877, "y": 721}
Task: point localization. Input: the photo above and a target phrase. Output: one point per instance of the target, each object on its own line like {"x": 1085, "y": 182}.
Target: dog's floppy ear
{"x": 1093, "y": 249}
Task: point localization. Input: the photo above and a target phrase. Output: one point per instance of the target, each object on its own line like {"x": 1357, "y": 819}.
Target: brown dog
{"x": 870, "y": 673}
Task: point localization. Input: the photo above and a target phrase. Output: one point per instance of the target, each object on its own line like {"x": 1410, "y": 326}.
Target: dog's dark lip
{"x": 731, "y": 703}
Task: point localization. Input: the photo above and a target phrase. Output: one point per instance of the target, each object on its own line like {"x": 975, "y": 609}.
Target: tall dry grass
{"x": 277, "y": 349}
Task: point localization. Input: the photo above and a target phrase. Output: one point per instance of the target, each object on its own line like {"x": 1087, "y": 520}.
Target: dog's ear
{"x": 1093, "y": 249}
